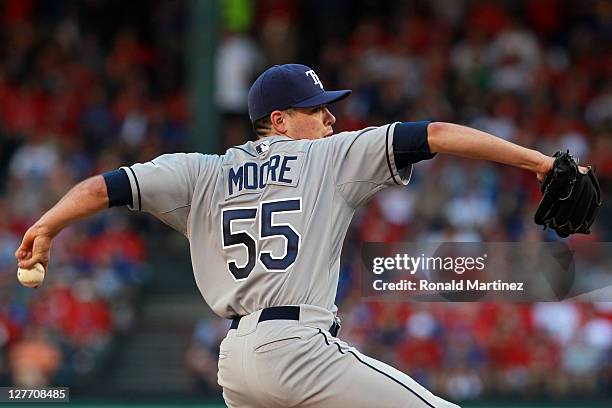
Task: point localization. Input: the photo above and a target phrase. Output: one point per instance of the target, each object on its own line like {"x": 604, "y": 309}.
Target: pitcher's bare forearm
{"x": 87, "y": 198}
{"x": 475, "y": 144}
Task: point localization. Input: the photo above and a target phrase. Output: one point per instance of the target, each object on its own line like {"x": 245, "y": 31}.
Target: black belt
{"x": 283, "y": 313}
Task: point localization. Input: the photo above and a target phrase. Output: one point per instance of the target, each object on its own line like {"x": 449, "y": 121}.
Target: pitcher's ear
{"x": 279, "y": 121}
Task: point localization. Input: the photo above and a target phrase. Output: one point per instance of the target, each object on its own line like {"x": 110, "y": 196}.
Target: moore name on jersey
{"x": 253, "y": 176}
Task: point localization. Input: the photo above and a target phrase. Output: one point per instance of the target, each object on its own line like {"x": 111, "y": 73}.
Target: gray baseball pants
{"x": 297, "y": 363}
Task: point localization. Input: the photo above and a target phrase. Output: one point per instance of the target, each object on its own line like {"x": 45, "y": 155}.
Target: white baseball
{"x": 31, "y": 277}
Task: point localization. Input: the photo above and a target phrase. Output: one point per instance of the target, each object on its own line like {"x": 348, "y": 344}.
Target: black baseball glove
{"x": 570, "y": 199}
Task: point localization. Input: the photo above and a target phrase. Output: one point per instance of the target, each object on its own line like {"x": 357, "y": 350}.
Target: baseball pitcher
{"x": 266, "y": 222}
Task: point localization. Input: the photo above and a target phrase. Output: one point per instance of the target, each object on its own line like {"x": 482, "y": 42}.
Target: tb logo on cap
{"x": 315, "y": 78}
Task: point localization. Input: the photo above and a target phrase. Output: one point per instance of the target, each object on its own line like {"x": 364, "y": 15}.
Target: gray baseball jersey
{"x": 266, "y": 221}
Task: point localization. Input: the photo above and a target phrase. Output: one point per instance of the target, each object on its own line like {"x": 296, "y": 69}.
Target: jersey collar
{"x": 273, "y": 138}
{"x": 260, "y": 147}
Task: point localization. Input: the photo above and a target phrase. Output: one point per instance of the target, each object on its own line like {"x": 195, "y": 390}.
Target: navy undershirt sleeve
{"x": 118, "y": 188}
{"x": 410, "y": 143}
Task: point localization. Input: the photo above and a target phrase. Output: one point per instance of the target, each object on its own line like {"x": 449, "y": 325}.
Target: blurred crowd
{"x": 538, "y": 73}
{"x": 83, "y": 90}
{"x": 467, "y": 350}
{"x": 88, "y": 86}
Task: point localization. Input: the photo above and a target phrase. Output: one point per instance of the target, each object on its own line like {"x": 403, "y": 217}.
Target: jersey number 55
{"x": 268, "y": 230}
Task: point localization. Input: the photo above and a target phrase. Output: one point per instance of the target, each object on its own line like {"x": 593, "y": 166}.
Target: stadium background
{"x": 87, "y": 86}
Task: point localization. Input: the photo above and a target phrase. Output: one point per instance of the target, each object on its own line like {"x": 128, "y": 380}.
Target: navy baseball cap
{"x": 289, "y": 86}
